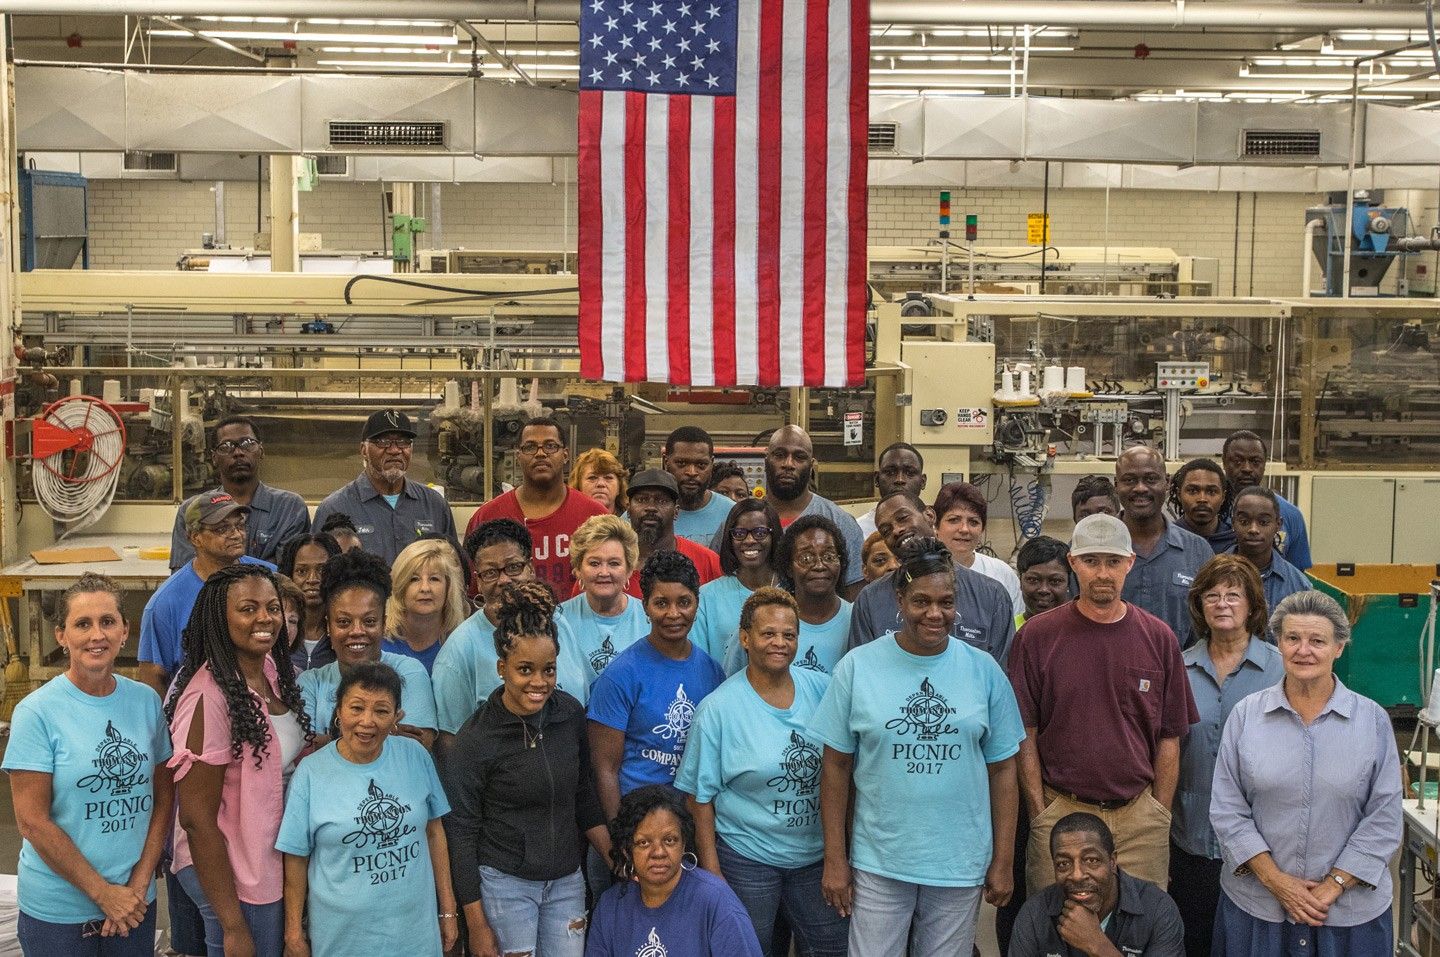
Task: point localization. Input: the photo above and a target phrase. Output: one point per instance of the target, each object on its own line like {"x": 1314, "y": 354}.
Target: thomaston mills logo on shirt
{"x": 799, "y": 768}
{"x": 653, "y": 946}
{"x": 810, "y": 662}
{"x": 677, "y": 718}
{"x": 601, "y": 657}
{"x": 381, "y": 819}
{"x": 924, "y": 713}
{"x": 119, "y": 765}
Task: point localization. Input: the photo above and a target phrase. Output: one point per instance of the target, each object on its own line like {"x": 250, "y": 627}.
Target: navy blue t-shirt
{"x": 701, "y": 918}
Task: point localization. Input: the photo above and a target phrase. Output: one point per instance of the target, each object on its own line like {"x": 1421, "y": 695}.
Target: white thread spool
{"x": 111, "y": 391}
{"x": 1024, "y": 382}
{"x": 452, "y": 394}
{"x": 1075, "y": 379}
{"x": 1053, "y": 379}
{"x": 1007, "y": 383}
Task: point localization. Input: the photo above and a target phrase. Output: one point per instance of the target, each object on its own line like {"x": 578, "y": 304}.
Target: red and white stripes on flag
{"x": 722, "y": 238}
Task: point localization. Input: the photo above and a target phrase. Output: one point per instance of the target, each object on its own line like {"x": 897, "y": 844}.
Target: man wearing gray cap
{"x": 654, "y": 501}
{"x": 390, "y": 511}
{"x": 1105, "y": 700}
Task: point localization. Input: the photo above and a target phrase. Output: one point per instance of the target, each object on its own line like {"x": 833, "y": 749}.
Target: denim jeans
{"x": 266, "y": 921}
{"x": 765, "y": 890}
{"x": 883, "y": 910}
{"x": 545, "y": 918}
{"x": 187, "y": 930}
{"x": 40, "y": 938}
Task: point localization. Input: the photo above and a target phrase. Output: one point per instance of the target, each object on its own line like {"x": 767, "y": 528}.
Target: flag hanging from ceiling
{"x": 722, "y": 191}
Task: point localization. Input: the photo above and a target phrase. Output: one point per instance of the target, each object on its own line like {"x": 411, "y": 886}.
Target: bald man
{"x": 789, "y": 467}
{"x": 1167, "y": 558}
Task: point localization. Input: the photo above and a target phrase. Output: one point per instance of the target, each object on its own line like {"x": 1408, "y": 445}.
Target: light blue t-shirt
{"x": 922, "y": 730}
{"x": 717, "y": 621}
{"x": 761, "y": 768}
{"x": 701, "y": 524}
{"x": 652, "y": 699}
{"x": 392, "y": 500}
{"x": 820, "y": 647}
{"x": 318, "y": 687}
{"x": 168, "y": 612}
{"x": 101, "y": 754}
{"x": 599, "y": 638}
{"x": 464, "y": 672}
{"x": 371, "y": 883}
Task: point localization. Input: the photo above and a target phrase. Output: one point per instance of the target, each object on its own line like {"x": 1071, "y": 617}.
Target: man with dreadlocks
{"x": 1200, "y": 498}
{"x": 237, "y": 723}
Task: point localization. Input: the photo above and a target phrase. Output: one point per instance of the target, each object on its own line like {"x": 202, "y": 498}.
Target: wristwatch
{"x": 1340, "y": 879}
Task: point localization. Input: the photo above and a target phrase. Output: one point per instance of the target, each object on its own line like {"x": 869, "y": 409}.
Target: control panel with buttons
{"x": 1182, "y": 375}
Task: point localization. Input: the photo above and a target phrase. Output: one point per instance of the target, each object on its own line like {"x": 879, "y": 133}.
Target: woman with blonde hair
{"x": 604, "y": 552}
{"x": 427, "y": 600}
{"x": 600, "y": 475}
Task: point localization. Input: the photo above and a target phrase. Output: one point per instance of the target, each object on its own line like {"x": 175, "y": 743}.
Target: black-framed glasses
{"x": 512, "y": 570}
{"x": 550, "y": 447}
{"x": 759, "y": 533}
{"x": 393, "y": 443}
{"x": 230, "y": 445}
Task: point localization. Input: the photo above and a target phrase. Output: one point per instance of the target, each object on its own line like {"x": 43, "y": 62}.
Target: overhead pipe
{"x": 1321, "y": 17}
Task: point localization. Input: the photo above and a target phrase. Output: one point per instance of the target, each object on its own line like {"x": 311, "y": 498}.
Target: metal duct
{"x": 1321, "y": 17}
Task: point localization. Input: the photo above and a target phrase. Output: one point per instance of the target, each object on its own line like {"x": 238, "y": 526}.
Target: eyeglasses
{"x": 759, "y": 533}
{"x": 1217, "y": 598}
{"x": 810, "y": 559}
{"x": 225, "y": 529}
{"x": 392, "y": 443}
{"x": 534, "y": 448}
{"x": 230, "y": 445}
{"x": 512, "y": 570}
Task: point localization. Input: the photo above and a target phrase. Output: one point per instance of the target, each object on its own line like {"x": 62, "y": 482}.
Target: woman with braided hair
{"x": 522, "y": 800}
{"x": 237, "y": 724}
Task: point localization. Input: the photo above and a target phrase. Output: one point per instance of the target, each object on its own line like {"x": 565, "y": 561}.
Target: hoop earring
{"x": 694, "y": 861}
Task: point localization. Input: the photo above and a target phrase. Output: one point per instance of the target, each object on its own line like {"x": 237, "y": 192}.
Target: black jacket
{"x": 521, "y": 798}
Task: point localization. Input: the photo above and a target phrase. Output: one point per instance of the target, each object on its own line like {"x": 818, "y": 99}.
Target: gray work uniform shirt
{"x": 983, "y": 615}
{"x": 1315, "y": 796}
{"x": 275, "y": 515}
{"x": 383, "y": 530}
{"x": 1145, "y": 921}
{"x": 1160, "y": 582}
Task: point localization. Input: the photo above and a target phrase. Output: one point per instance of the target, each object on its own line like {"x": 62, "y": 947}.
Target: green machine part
{"x": 403, "y": 230}
{"x": 1387, "y": 606}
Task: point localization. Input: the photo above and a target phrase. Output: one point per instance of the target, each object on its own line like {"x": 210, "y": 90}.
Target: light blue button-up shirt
{"x": 1260, "y": 668}
{"x": 1315, "y": 796}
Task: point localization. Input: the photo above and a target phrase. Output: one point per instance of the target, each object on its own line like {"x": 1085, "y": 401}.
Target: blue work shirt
{"x": 1315, "y": 796}
{"x": 983, "y": 615}
{"x": 275, "y": 517}
{"x": 385, "y": 530}
{"x": 168, "y": 612}
{"x": 1160, "y": 582}
{"x": 1295, "y": 540}
{"x": 1280, "y": 579}
{"x": 1260, "y": 668}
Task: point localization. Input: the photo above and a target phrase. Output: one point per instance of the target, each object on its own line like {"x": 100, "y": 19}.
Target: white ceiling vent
{"x": 1279, "y": 144}
{"x": 389, "y": 134}
{"x": 335, "y": 165}
{"x": 145, "y": 163}
{"x": 884, "y": 137}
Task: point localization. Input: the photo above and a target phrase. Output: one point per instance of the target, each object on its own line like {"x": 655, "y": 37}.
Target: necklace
{"x": 531, "y": 739}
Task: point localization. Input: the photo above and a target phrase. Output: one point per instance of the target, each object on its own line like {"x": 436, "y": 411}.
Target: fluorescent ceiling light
{"x": 956, "y": 48}
{"x": 411, "y": 51}
{"x": 355, "y": 22}
{"x": 456, "y": 65}
{"x": 927, "y": 91}
{"x": 281, "y": 36}
{"x": 940, "y": 71}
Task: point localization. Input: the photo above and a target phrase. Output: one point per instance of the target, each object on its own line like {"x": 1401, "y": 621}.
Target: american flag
{"x": 722, "y": 191}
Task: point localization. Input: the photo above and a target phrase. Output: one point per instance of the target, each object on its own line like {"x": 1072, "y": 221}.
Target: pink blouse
{"x": 252, "y": 799}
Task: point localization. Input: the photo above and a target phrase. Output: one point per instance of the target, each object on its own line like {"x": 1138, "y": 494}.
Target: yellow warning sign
{"x": 1037, "y": 229}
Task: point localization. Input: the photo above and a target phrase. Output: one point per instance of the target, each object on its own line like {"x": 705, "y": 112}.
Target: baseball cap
{"x": 211, "y": 507}
{"x": 654, "y": 478}
{"x": 387, "y": 420}
{"x": 1101, "y": 534}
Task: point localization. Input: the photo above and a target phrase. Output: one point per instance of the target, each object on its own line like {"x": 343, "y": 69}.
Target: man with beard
{"x": 548, "y": 508}
{"x": 690, "y": 457}
{"x": 1105, "y": 700}
{"x": 1243, "y": 455}
{"x": 982, "y": 606}
{"x": 789, "y": 466}
{"x": 654, "y": 500}
{"x": 1200, "y": 500}
{"x": 1095, "y": 908}
{"x": 275, "y": 514}
{"x": 1167, "y": 558}
{"x": 389, "y": 510}
{"x": 900, "y": 468}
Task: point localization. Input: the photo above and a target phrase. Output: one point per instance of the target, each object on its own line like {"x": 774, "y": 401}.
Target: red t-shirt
{"x": 1100, "y": 698}
{"x": 707, "y": 563}
{"x": 551, "y": 534}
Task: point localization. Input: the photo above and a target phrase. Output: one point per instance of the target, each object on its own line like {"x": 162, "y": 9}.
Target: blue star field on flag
{"x": 650, "y": 46}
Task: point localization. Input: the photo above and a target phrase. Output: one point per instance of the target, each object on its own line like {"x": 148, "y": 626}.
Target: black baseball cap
{"x": 387, "y": 420}
{"x": 655, "y": 478}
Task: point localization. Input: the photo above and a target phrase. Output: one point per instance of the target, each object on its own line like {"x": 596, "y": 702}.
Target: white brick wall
{"x": 140, "y": 224}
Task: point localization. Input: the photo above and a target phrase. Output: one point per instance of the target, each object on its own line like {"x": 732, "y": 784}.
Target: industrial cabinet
{"x": 1374, "y": 520}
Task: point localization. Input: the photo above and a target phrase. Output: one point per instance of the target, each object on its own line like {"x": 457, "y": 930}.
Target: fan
{"x": 76, "y": 449}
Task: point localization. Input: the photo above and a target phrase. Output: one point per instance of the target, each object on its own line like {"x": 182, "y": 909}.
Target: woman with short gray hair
{"x": 1306, "y": 803}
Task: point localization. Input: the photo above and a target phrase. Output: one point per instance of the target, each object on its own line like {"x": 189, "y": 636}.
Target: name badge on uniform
{"x": 364, "y": 529}
{"x": 424, "y": 528}
{"x": 1144, "y": 684}
{"x": 1182, "y": 579}
{"x": 262, "y": 535}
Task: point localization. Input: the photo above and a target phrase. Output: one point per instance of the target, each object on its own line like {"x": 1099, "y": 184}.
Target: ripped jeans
{"x": 538, "y": 918}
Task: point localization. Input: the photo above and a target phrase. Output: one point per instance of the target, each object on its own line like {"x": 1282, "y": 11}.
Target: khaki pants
{"x": 1142, "y": 838}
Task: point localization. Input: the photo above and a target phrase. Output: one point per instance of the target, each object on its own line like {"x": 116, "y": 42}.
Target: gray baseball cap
{"x": 1101, "y": 534}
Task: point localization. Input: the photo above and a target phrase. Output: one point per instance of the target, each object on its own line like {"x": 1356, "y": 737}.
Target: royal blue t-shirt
{"x": 820, "y": 647}
{"x": 168, "y": 612}
{"x": 600, "y": 638}
{"x": 652, "y": 699}
{"x": 465, "y": 673}
{"x": 922, "y": 729}
{"x": 371, "y": 884}
{"x": 760, "y": 767}
{"x": 318, "y": 687}
{"x": 701, "y": 918}
{"x": 101, "y": 754}
{"x": 399, "y": 646}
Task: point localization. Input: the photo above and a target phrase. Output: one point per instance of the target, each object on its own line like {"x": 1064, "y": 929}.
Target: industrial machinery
{"x": 1375, "y": 237}
{"x": 54, "y": 221}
